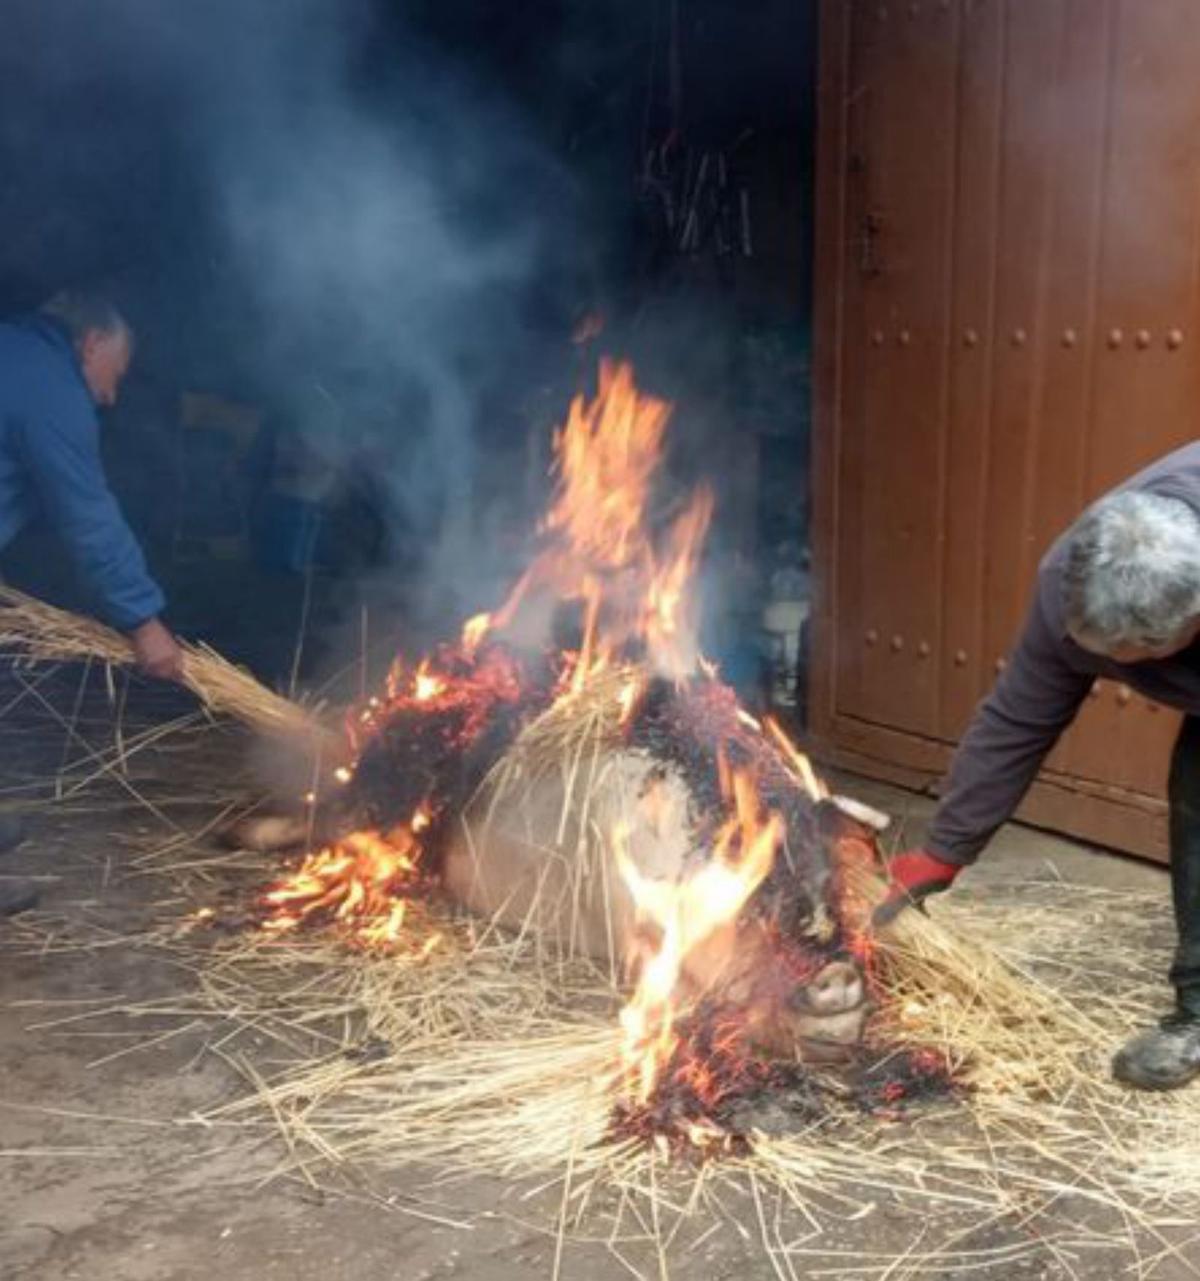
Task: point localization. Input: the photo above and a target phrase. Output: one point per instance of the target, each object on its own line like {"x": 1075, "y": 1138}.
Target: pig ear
{"x": 864, "y": 814}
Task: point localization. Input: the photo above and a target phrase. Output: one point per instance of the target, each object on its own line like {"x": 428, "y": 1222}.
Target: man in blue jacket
{"x": 56, "y": 367}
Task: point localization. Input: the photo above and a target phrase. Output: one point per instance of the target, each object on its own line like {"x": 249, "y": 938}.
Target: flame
{"x": 473, "y": 632}
{"x": 688, "y": 913}
{"x": 594, "y": 656}
{"x": 463, "y": 683}
{"x": 627, "y": 698}
{"x": 359, "y": 880}
{"x": 634, "y": 591}
{"x": 382, "y": 930}
{"x": 606, "y": 454}
{"x": 670, "y": 629}
{"x": 797, "y": 762}
{"x": 426, "y": 684}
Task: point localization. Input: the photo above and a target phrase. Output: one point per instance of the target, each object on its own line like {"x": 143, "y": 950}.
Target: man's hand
{"x": 157, "y": 652}
{"x": 912, "y": 877}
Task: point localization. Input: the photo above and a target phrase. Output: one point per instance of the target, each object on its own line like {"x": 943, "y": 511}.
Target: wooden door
{"x": 1007, "y": 319}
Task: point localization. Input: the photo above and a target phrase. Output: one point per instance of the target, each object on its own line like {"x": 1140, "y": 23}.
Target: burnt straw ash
{"x": 681, "y": 727}
{"x": 715, "y": 1081}
{"x": 434, "y": 753}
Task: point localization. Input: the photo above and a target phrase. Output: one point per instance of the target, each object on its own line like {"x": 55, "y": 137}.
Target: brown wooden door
{"x": 1007, "y": 322}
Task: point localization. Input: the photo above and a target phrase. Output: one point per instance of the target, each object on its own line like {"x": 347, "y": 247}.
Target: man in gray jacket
{"x": 1117, "y": 596}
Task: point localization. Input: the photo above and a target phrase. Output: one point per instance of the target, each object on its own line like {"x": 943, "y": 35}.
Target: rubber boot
{"x": 1162, "y": 1058}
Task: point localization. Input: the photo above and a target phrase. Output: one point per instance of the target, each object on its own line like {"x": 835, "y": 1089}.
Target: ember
{"x": 715, "y": 1093}
{"x": 363, "y": 878}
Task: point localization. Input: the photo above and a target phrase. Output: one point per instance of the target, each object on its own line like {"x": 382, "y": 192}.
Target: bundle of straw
{"x": 41, "y": 633}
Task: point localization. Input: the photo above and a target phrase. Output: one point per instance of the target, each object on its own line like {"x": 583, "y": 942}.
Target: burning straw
{"x": 475, "y": 1050}
{"x": 41, "y": 633}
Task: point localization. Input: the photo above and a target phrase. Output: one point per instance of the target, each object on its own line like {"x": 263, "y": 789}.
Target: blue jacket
{"x": 50, "y": 462}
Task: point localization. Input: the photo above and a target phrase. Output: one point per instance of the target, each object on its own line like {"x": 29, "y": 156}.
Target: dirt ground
{"x": 107, "y": 1170}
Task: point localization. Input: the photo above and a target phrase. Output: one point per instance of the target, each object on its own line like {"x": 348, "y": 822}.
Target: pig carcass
{"x": 532, "y": 847}
{"x": 537, "y": 856}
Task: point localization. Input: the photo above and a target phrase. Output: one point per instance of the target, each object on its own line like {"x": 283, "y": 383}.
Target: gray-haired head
{"x": 1132, "y": 579}
{"x": 101, "y": 337}
{"x": 82, "y": 313}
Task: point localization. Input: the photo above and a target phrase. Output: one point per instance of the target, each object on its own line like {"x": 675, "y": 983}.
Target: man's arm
{"x": 61, "y": 451}
{"x": 1034, "y": 700}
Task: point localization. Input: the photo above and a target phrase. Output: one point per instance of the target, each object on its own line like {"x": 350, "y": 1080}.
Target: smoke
{"x": 369, "y": 237}
{"x": 322, "y": 211}
{"x": 389, "y": 262}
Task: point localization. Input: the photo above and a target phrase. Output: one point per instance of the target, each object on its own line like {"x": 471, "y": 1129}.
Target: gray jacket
{"x": 1039, "y": 692}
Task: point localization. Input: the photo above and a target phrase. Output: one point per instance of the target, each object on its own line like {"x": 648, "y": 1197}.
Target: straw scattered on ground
{"x": 464, "y": 1052}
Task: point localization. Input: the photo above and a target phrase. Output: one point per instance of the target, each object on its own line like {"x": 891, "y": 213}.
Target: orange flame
{"x": 427, "y": 684}
{"x": 601, "y": 551}
{"x": 357, "y": 880}
{"x": 797, "y": 762}
{"x": 607, "y": 453}
{"x": 627, "y": 698}
{"x": 670, "y": 631}
{"x": 688, "y": 914}
{"x": 473, "y": 632}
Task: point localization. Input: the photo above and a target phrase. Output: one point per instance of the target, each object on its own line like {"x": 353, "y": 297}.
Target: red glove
{"x": 912, "y": 877}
